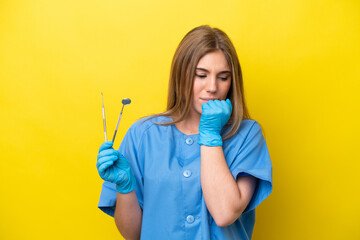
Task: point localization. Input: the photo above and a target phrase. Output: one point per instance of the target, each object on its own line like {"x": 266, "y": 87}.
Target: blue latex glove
{"x": 215, "y": 114}
{"x": 113, "y": 167}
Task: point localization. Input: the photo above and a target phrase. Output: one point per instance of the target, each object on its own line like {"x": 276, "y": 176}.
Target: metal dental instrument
{"x": 125, "y": 101}
{"x": 103, "y": 111}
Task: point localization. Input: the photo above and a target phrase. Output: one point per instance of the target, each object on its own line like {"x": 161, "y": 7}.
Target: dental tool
{"x": 125, "y": 101}
{"x": 103, "y": 111}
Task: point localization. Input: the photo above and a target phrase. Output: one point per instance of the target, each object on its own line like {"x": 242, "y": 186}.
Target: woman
{"x": 198, "y": 170}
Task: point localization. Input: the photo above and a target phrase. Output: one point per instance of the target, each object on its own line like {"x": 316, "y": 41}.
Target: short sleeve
{"x": 130, "y": 149}
{"x": 108, "y": 198}
{"x": 253, "y": 159}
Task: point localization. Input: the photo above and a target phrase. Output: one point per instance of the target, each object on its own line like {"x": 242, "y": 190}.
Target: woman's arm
{"x": 225, "y": 198}
{"x": 113, "y": 167}
{"x": 128, "y": 215}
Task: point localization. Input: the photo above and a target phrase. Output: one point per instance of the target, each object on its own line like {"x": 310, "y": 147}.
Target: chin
{"x": 198, "y": 110}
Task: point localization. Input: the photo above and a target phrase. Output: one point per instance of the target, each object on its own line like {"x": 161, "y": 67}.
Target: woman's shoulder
{"x": 146, "y": 123}
{"x": 247, "y": 126}
{"x": 250, "y": 130}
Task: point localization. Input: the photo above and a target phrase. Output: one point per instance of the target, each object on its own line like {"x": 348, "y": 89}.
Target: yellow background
{"x": 301, "y": 67}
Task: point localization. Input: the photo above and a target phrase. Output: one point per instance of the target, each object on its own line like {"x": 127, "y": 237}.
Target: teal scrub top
{"x": 166, "y": 165}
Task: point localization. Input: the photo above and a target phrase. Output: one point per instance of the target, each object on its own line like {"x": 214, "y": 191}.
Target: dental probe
{"x": 125, "y": 101}
{"x": 103, "y": 111}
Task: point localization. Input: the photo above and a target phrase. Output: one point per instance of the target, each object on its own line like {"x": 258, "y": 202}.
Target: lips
{"x": 208, "y": 99}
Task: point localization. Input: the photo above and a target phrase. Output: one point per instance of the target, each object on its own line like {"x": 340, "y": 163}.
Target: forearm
{"x": 128, "y": 215}
{"x": 220, "y": 191}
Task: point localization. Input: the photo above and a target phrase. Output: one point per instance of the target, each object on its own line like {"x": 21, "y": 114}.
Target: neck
{"x": 190, "y": 125}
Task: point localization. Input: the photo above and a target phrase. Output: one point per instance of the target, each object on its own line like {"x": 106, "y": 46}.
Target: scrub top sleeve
{"x": 253, "y": 159}
{"x": 108, "y": 198}
{"x": 129, "y": 148}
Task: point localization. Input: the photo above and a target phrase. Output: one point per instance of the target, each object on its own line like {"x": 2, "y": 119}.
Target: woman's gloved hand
{"x": 113, "y": 167}
{"x": 215, "y": 114}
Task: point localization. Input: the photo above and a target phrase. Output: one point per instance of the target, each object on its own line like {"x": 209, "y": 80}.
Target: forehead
{"x": 214, "y": 61}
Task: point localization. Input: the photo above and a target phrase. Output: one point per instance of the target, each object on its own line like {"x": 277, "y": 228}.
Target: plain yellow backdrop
{"x": 301, "y": 68}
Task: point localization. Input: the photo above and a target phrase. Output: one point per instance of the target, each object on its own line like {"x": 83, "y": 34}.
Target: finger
{"x": 106, "y": 145}
{"x": 102, "y": 160}
{"x": 108, "y": 152}
{"x": 104, "y": 170}
{"x": 227, "y": 106}
{"x": 229, "y": 103}
{"x": 212, "y": 104}
{"x": 205, "y": 106}
{"x": 219, "y": 104}
{"x": 122, "y": 178}
{"x": 105, "y": 162}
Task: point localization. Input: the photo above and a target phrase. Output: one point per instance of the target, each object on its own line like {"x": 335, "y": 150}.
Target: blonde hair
{"x": 197, "y": 43}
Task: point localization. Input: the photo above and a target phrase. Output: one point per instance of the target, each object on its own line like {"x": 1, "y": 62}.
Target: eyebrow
{"x": 205, "y": 70}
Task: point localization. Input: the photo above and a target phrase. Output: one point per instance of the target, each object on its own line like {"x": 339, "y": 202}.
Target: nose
{"x": 211, "y": 86}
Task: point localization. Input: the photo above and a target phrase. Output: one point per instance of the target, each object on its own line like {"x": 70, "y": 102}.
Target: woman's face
{"x": 212, "y": 80}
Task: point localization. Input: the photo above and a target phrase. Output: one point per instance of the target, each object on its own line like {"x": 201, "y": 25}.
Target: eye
{"x": 224, "y": 78}
{"x": 200, "y": 75}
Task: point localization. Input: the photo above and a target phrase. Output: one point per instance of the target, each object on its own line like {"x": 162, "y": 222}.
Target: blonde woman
{"x": 199, "y": 169}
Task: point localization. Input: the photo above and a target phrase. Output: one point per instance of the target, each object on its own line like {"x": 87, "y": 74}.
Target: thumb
{"x": 105, "y": 145}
